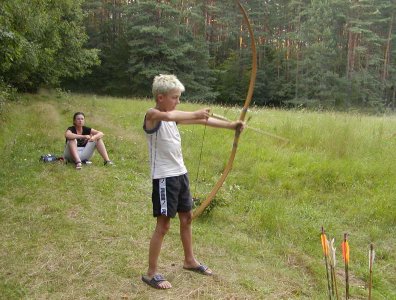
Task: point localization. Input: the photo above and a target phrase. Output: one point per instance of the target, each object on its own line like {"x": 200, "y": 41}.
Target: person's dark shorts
{"x": 171, "y": 195}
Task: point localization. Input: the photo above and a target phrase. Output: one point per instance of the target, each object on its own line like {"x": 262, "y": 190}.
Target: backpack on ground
{"x": 50, "y": 158}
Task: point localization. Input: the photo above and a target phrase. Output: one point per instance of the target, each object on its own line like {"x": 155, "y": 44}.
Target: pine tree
{"x": 160, "y": 43}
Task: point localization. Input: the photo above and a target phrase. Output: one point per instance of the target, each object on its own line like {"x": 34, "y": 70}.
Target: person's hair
{"x": 162, "y": 84}
{"x": 76, "y": 114}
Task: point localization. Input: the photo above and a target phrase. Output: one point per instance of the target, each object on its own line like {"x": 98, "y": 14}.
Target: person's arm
{"x": 213, "y": 122}
{"x": 95, "y": 135}
{"x": 72, "y": 136}
{"x": 153, "y": 116}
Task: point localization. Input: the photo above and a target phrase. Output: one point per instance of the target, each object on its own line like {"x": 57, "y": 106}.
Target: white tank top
{"x": 165, "y": 152}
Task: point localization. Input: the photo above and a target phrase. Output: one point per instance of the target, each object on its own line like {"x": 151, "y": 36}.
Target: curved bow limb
{"x": 246, "y": 104}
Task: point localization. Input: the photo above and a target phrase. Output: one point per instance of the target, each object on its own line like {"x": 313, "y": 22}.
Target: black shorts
{"x": 171, "y": 195}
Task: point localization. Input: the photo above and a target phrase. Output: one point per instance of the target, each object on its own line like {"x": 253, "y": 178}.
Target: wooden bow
{"x": 249, "y": 95}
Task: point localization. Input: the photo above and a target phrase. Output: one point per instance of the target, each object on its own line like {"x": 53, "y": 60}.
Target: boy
{"x": 171, "y": 194}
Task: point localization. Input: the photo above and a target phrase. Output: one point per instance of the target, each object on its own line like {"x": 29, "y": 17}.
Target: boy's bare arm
{"x": 154, "y": 116}
{"x": 180, "y": 116}
{"x": 213, "y": 122}
{"x": 200, "y": 116}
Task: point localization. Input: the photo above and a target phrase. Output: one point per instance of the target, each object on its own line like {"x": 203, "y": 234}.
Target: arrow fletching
{"x": 345, "y": 249}
{"x": 371, "y": 257}
{"x": 325, "y": 245}
{"x": 333, "y": 253}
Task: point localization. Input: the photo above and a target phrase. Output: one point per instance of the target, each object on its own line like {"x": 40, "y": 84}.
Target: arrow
{"x": 332, "y": 268}
{"x": 371, "y": 263}
{"x": 345, "y": 256}
{"x": 325, "y": 248}
{"x": 285, "y": 140}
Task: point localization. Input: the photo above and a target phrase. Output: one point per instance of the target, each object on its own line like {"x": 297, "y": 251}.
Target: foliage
{"x": 108, "y": 35}
{"x": 321, "y": 54}
{"x": 332, "y": 54}
{"x": 232, "y": 80}
{"x": 144, "y": 39}
{"x": 7, "y": 93}
{"x": 164, "y": 45}
{"x": 42, "y": 42}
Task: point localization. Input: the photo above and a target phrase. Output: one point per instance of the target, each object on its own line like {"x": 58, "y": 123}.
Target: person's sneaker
{"x": 87, "y": 162}
{"x": 108, "y": 163}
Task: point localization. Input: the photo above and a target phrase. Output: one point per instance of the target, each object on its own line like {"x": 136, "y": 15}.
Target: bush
{"x": 7, "y": 93}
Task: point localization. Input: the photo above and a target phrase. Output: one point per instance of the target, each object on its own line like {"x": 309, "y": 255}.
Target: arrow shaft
{"x": 285, "y": 140}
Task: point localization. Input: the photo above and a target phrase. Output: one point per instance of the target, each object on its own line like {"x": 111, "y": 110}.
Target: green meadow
{"x": 67, "y": 234}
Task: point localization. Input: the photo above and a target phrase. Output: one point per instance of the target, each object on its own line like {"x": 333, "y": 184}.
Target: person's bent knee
{"x": 71, "y": 145}
{"x": 91, "y": 145}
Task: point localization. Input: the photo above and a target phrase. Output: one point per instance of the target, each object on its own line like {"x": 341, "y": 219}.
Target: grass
{"x": 84, "y": 235}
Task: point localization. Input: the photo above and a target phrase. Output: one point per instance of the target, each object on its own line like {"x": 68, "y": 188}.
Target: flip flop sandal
{"x": 201, "y": 269}
{"x": 155, "y": 281}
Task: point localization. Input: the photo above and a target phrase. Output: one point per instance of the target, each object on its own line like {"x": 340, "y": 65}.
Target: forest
{"x": 333, "y": 54}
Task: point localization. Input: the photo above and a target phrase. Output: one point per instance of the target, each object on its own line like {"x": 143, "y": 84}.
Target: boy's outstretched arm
{"x": 153, "y": 116}
{"x": 234, "y": 125}
{"x": 177, "y": 115}
{"x": 201, "y": 116}
{"x": 213, "y": 122}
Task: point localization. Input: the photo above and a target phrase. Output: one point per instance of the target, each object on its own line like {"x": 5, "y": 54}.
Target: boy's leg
{"x": 186, "y": 236}
{"x": 162, "y": 227}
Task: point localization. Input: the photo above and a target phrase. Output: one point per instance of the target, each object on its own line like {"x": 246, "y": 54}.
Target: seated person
{"x": 81, "y": 142}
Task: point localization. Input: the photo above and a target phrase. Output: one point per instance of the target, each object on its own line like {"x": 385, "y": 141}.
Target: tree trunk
{"x": 387, "y": 50}
{"x": 353, "y": 39}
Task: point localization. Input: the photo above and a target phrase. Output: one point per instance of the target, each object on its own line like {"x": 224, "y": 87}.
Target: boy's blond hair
{"x": 162, "y": 84}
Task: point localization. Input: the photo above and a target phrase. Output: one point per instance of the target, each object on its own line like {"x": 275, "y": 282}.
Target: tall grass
{"x": 84, "y": 235}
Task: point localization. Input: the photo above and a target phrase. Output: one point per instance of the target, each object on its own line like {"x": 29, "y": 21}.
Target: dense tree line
{"x": 333, "y": 53}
